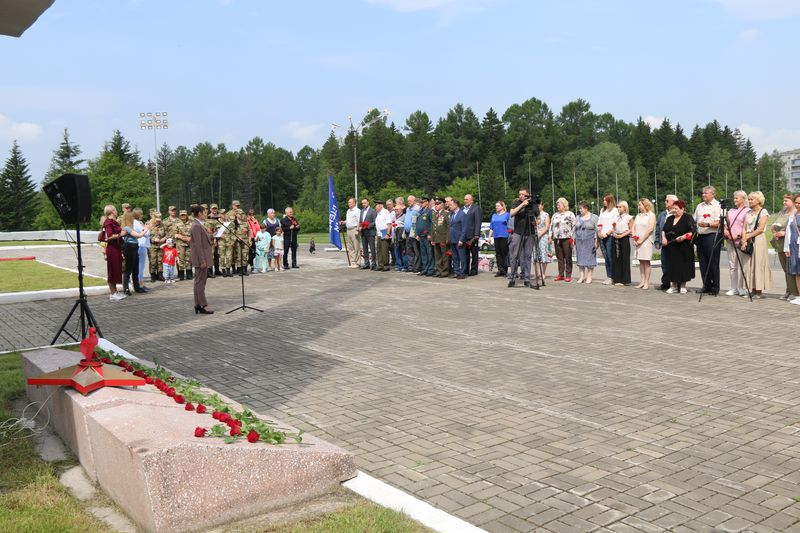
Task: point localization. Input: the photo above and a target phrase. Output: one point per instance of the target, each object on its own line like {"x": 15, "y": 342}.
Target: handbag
{"x": 748, "y": 248}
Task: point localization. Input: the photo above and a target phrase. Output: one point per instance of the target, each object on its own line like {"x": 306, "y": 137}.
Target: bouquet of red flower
{"x": 635, "y": 237}
{"x": 364, "y": 225}
{"x": 687, "y": 236}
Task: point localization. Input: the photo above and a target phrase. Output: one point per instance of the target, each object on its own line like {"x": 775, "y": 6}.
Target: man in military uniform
{"x": 423, "y": 232}
{"x": 183, "y": 239}
{"x": 213, "y": 224}
{"x": 157, "y": 238}
{"x": 225, "y": 244}
{"x": 241, "y": 244}
{"x": 440, "y": 226}
{"x": 170, "y": 223}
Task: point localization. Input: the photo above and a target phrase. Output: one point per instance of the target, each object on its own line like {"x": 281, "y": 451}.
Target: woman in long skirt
{"x": 586, "y": 242}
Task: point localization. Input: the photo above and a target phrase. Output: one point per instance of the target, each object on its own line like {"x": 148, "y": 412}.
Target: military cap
{"x": 171, "y": 208}
{"x": 425, "y": 199}
{"x": 126, "y": 205}
{"x": 204, "y": 206}
{"x": 222, "y": 211}
{"x": 438, "y": 199}
{"x": 183, "y": 212}
{"x": 214, "y": 206}
{"x": 235, "y": 202}
{"x": 378, "y": 202}
{"x": 157, "y": 214}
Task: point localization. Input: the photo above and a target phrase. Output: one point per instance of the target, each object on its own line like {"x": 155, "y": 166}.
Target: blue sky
{"x": 229, "y": 70}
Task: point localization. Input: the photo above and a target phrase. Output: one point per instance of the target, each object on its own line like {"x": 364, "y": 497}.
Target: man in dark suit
{"x": 202, "y": 257}
{"x": 291, "y": 227}
{"x": 367, "y": 227}
{"x": 472, "y": 228}
{"x": 660, "y": 221}
{"x": 458, "y": 237}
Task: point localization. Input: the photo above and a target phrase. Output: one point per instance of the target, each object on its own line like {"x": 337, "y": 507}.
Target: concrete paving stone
{"x": 707, "y": 425}
{"x": 512, "y": 523}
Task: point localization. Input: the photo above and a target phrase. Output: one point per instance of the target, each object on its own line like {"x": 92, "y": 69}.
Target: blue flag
{"x": 333, "y": 215}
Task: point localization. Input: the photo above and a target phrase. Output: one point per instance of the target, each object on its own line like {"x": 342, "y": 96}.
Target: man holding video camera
{"x": 521, "y": 241}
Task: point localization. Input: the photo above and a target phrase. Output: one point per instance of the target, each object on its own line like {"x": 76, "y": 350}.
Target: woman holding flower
{"x": 586, "y": 242}
{"x": 562, "y": 229}
{"x": 677, "y": 234}
{"x": 644, "y": 226}
{"x": 622, "y": 245}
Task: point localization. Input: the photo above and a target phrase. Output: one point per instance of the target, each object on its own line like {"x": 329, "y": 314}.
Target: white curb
{"x": 32, "y": 296}
{"x": 388, "y": 496}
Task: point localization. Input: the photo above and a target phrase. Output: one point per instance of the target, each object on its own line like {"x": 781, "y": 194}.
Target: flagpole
{"x": 574, "y": 186}
{"x": 553, "y": 186}
{"x": 505, "y": 184}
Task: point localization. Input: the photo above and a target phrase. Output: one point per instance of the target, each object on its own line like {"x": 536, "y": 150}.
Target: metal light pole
{"x": 355, "y": 130}
{"x": 155, "y": 121}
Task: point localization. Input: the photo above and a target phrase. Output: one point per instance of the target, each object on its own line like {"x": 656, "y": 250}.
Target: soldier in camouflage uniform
{"x": 170, "y": 223}
{"x": 156, "y": 253}
{"x": 225, "y": 244}
{"x": 440, "y": 226}
{"x": 183, "y": 239}
{"x": 241, "y": 245}
{"x": 213, "y": 224}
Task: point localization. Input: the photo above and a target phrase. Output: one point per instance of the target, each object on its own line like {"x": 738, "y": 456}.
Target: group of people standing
{"x": 238, "y": 243}
{"x": 441, "y": 239}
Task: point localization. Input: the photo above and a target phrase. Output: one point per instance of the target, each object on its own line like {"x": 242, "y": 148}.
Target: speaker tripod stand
{"x": 86, "y": 319}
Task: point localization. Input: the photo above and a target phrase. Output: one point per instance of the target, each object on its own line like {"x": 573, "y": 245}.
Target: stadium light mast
{"x": 155, "y": 121}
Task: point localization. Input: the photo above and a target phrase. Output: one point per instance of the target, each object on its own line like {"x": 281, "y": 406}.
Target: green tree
{"x": 18, "y": 198}
{"x": 675, "y": 171}
{"x": 113, "y": 182}
{"x": 421, "y": 166}
{"x": 66, "y": 159}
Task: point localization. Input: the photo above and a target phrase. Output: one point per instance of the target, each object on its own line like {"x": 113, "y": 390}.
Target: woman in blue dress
{"x": 586, "y": 242}
{"x": 543, "y": 255}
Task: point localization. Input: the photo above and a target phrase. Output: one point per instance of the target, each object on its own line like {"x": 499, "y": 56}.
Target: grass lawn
{"x": 321, "y": 239}
{"x": 31, "y": 498}
{"x": 16, "y": 276}
{"x": 29, "y": 243}
{"x": 363, "y": 516}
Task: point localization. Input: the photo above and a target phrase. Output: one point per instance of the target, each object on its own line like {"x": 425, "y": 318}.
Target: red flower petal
{"x": 148, "y": 380}
{"x": 178, "y": 398}
{"x": 189, "y": 406}
{"x": 170, "y": 392}
{"x": 253, "y": 436}
{"x": 215, "y": 415}
{"x": 200, "y": 432}
{"x": 235, "y": 431}
{"x": 200, "y": 408}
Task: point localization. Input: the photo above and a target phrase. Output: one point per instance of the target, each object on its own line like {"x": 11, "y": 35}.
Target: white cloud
{"x": 411, "y": 6}
{"x": 21, "y": 131}
{"x": 749, "y": 35}
{"x": 762, "y": 9}
{"x": 301, "y": 131}
{"x": 767, "y": 140}
{"x": 655, "y": 122}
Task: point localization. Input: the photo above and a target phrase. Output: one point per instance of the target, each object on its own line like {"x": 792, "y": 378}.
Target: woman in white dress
{"x": 644, "y": 226}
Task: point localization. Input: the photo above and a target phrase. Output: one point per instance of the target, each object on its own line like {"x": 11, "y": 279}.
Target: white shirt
{"x": 382, "y": 221}
{"x": 706, "y": 213}
{"x": 352, "y": 217}
{"x": 138, "y": 226}
{"x": 606, "y": 220}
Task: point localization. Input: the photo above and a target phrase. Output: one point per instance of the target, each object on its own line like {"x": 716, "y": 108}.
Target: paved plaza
{"x": 573, "y": 408}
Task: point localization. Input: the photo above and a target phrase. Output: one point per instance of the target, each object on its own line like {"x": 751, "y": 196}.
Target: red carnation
{"x": 510, "y": 230}
{"x": 253, "y": 436}
{"x": 170, "y": 392}
{"x": 148, "y": 380}
{"x": 599, "y": 225}
{"x": 235, "y": 431}
{"x": 215, "y": 415}
{"x": 635, "y": 237}
{"x": 159, "y": 382}
{"x": 706, "y": 215}
{"x": 106, "y": 360}
{"x": 449, "y": 253}
{"x": 224, "y": 417}
{"x": 189, "y": 406}
{"x": 139, "y": 373}
{"x": 614, "y": 224}
{"x": 200, "y": 432}
{"x": 201, "y": 409}
{"x": 179, "y": 398}
{"x": 121, "y": 363}
{"x": 688, "y": 236}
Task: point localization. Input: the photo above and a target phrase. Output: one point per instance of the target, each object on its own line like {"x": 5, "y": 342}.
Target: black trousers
{"x": 131, "y": 254}
{"x": 665, "y": 283}
{"x": 471, "y": 265}
{"x": 501, "y": 254}
{"x": 287, "y": 248}
{"x": 622, "y": 261}
{"x": 368, "y": 249}
{"x": 709, "y": 261}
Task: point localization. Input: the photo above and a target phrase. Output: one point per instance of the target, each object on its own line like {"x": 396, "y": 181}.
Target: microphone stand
{"x": 240, "y": 243}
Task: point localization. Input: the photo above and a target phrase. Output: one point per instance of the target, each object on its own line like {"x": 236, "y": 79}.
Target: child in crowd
{"x": 170, "y": 258}
{"x": 277, "y": 245}
{"x": 262, "y": 239}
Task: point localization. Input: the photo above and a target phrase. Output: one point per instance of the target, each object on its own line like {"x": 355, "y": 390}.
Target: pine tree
{"x": 19, "y": 203}
{"x": 65, "y": 159}
{"x": 121, "y": 147}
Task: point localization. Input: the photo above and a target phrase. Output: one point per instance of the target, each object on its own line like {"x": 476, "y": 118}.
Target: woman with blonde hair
{"x": 754, "y": 245}
{"x": 644, "y": 226}
{"x": 621, "y": 231}
{"x": 562, "y": 229}
{"x": 113, "y": 251}
{"x": 605, "y": 233}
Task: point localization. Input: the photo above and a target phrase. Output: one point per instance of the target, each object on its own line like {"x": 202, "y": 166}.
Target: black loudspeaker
{"x": 72, "y": 198}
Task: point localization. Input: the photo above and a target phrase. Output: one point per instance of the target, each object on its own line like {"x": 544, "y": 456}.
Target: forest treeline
{"x": 574, "y": 153}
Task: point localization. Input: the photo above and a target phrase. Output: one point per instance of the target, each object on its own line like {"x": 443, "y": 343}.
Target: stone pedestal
{"x": 138, "y": 445}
